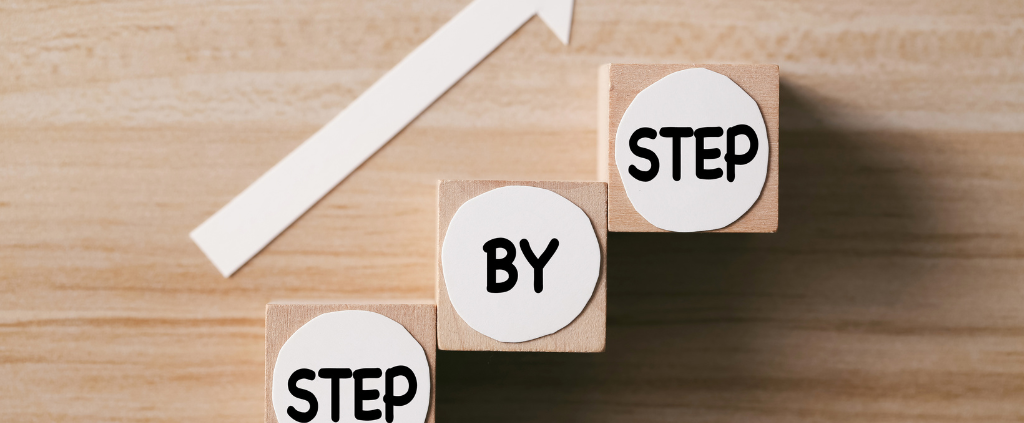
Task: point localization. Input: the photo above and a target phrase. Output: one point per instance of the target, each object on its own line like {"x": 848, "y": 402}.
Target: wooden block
{"x": 619, "y": 84}
{"x": 283, "y": 319}
{"x": 584, "y": 334}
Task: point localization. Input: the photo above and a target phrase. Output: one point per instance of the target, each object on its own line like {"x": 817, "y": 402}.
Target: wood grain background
{"x": 893, "y": 290}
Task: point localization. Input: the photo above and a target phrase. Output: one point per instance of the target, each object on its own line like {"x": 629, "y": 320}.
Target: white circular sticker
{"x": 351, "y": 366}
{"x": 520, "y": 262}
{"x": 692, "y": 151}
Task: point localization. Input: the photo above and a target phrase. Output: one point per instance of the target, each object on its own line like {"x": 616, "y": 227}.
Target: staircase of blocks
{"x": 521, "y": 265}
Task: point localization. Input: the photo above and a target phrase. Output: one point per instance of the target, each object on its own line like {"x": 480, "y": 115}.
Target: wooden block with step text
{"x": 521, "y": 266}
{"x": 684, "y": 142}
{"x": 350, "y": 362}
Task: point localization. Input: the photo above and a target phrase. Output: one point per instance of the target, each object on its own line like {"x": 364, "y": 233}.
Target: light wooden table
{"x": 893, "y": 291}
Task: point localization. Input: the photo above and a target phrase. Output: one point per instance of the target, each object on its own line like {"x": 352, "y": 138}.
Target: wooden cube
{"x": 584, "y": 334}
{"x": 283, "y": 319}
{"x": 619, "y": 84}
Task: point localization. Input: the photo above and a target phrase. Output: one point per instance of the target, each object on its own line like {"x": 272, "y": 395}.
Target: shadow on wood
{"x": 816, "y": 321}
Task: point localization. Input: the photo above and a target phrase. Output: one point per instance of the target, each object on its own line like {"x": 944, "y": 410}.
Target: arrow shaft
{"x": 250, "y": 221}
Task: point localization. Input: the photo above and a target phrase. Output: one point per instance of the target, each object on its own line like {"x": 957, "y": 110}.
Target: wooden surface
{"x": 283, "y": 319}
{"x": 586, "y": 333}
{"x": 892, "y": 292}
{"x": 619, "y": 84}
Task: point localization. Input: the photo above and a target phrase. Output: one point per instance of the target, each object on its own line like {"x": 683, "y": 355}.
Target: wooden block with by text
{"x": 350, "y": 362}
{"x": 521, "y": 266}
{"x": 690, "y": 148}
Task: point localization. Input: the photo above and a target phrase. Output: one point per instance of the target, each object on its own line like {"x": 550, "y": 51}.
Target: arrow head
{"x": 557, "y": 14}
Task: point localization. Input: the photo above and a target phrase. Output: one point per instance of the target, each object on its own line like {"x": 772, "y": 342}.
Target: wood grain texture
{"x": 619, "y": 84}
{"x": 891, "y": 293}
{"x": 586, "y": 333}
{"x": 283, "y": 319}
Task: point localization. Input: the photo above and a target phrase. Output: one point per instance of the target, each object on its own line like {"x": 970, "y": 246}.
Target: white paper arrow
{"x": 237, "y": 232}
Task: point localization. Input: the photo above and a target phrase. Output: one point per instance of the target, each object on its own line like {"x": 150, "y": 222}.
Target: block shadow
{"x": 699, "y": 322}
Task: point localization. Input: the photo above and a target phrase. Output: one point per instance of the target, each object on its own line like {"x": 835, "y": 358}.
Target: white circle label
{"x": 520, "y": 262}
{"x": 351, "y": 366}
{"x": 692, "y": 151}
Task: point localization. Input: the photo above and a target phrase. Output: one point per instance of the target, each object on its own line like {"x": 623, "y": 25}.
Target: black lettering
{"x": 707, "y": 153}
{"x": 538, "y": 263}
{"x": 335, "y": 375}
{"x": 643, "y": 153}
{"x": 390, "y": 400}
{"x": 677, "y": 135}
{"x": 494, "y": 264}
{"x": 732, "y": 159}
{"x": 302, "y": 394}
{"x": 366, "y": 394}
